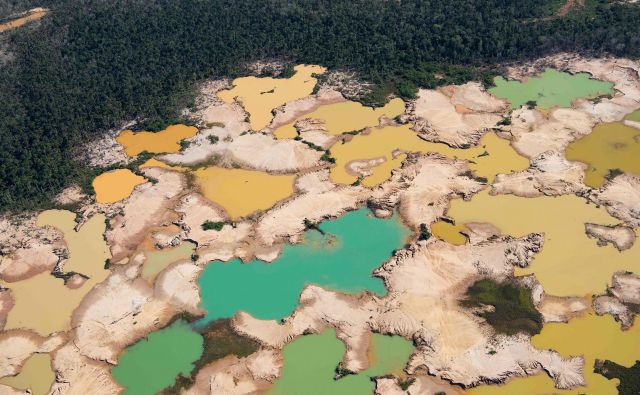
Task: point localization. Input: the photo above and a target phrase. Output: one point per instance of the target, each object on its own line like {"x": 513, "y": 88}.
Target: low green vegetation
{"x": 424, "y": 232}
{"x": 213, "y": 225}
{"x": 327, "y": 157}
{"x": 629, "y": 377}
{"x": 220, "y": 340}
{"x": 613, "y": 173}
{"x": 513, "y": 309}
{"x": 406, "y": 383}
{"x": 184, "y": 144}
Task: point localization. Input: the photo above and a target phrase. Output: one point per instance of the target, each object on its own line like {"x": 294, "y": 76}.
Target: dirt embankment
{"x": 24, "y": 18}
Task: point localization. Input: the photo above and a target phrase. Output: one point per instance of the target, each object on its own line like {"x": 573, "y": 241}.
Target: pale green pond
{"x": 342, "y": 259}
{"x": 552, "y": 88}
{"x": 310, "y": 363}
{"x": 634, "y": 116}
{"x": 153, "y": 363}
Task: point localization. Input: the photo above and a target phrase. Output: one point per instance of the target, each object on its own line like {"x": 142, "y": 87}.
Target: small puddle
{"x": 43, "y": 303}
{"x": 115, "y": 185}
{"x": 342, "y": 259}
{"x": 259, "y": 96}
{"x": 550, "y": 89}
{"x": 609, "y": 146}
{"x": 493, "y": 155}
{"x": 449, "y": 232}
{"x": 595, "y": 337}
{"x": 36, "y": 375}
{"x": 310, "y": 363}
{"x": 167, "y": 140}
{"x": 158, "y": 260}
{"x": 242, "y": 192}
{"x": 154, "y": 363}
{"x": 345, "y": 117}
{"x": 570, "y": 263}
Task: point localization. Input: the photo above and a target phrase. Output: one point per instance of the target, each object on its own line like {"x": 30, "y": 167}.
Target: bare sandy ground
{"x": 455, "y": 115}
{"x": 621, "y": 300}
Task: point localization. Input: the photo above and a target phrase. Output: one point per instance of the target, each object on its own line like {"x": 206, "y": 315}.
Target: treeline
{"x": 92, "y": 64}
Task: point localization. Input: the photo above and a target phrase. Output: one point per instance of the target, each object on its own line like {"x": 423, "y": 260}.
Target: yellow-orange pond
{"x": 167, "y": 140}
{"x": 594, "y": 337}
{"x": 242, "y": 192}
{"x": 259, "y": 96}
{"x": 494, "y": 155}
{"x": 115, "y": 185}
{"x": 609, "y": 146}
{"x": 570, "y": 263}
{"x": 345, "y": 117}
{"x": 50, "y": 311}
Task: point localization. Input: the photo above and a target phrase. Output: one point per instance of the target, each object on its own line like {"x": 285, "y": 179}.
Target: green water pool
{"x": 550, "y": 89}
{"x": 153, "y": 363}
{"x": 342, "y": 259}
{"x": 310, "y": 363}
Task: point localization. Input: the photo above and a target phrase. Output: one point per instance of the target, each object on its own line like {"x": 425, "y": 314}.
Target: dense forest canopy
{"x": 91, "y": 64}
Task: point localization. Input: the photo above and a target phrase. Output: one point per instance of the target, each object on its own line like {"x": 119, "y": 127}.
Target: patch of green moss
{"x": 513, "y": 309}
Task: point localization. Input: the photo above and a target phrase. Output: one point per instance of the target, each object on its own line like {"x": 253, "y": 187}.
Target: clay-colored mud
{"x": 159, "y": 260}
{"x": 494, "y": 155}
{"x": 449, "y": 232}
{"x": 36, "y": 375}
{"x": 570, "y": 263}
{"x": 345, "y": 117}
{"x": 115, "y": 185}
{"x": 609, "y": 146}
{"x": 31, "y": 16}
{"x": 550, "y": 89}
{"x": 242, "y": 192}
{"x": 43, "y": 303}
{"x": 259, "y": 96}
{"x": 589, "y": 335}
{"x": 167, "y": 140}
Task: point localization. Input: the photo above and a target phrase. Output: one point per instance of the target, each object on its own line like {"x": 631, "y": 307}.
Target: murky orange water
{"x": 42, "y": 302}
{"x": 609, "y": 146}
{"x": 589, "y": 335}
{"x": 570, "y": 263}
{"x": 167, "y": 140}
{"x": 115, "y": 185}
{"x": 242, "y": 192}
{"x": 345, "y": 117}
{"x": 259, "y": 96}
{"x": 494, "y": 155}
